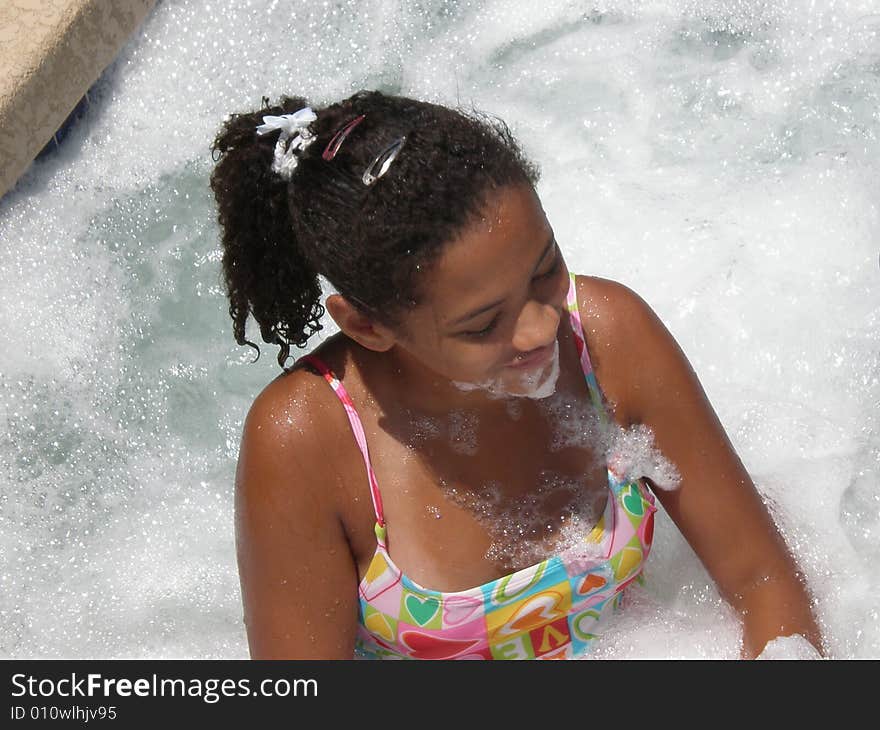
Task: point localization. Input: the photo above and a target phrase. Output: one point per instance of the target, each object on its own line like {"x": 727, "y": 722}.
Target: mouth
{"x": 533, "y": 359}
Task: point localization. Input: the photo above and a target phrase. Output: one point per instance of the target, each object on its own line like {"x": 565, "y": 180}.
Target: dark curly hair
{"x": 373, "y": 244}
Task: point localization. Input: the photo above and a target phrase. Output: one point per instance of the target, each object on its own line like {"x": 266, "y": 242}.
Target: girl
{"x": 443, "y": 477}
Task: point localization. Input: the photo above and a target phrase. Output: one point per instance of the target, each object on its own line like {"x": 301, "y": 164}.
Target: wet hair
{"x": 374, "y": 244}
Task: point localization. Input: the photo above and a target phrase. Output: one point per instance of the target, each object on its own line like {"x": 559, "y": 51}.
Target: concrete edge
{"x": 51, "y": 52}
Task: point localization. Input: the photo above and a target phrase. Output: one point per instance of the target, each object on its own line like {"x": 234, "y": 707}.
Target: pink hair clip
{"x": 338, "y": 138}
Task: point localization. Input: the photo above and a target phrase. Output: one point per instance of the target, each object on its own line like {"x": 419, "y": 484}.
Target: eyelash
{"x": 491, "y": 326}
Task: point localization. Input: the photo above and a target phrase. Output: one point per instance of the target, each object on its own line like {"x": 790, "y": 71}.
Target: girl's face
{"x": 491, "y": 309}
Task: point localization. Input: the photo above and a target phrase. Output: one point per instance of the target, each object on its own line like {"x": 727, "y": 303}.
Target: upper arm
{"x": 716, "y": 506}
{"x": 298, "y": 578}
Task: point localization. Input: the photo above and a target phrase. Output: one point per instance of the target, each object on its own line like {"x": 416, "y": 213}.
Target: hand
{"x": 789, "y": 647}
{"x": 777, "y": 605}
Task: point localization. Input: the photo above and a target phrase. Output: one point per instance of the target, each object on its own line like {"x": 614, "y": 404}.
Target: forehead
{"x": 490, "y": 256}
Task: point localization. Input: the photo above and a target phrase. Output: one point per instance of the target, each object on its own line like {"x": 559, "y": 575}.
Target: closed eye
{"x": 476, "y": 334}
{"x": 552, "y": 271}
{"x": 557, "y": 260}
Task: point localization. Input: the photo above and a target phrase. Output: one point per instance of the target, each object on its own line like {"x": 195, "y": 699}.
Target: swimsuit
{"x": 552, "y": 610}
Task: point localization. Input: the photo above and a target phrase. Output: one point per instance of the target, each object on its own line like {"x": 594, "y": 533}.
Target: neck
{"x": 399, "y": 382}
{"x": 412, "y": 386}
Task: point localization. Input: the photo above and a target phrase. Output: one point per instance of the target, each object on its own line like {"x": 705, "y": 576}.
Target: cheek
{"x": 459, "y": 360}
{"x": 469, "y": 362}
{"x": 476, "y": 362}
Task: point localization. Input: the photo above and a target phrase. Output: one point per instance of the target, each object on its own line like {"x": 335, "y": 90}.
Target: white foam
{"x": 631, "y": 454}
{"x": 554, "y": 517}
{"x": 574, "y": 424}
{"x": 423, "y": 428}
{"x": 789, "y": 647}
{"x": 535, "y": 383}
{"x": 463, "y": 426}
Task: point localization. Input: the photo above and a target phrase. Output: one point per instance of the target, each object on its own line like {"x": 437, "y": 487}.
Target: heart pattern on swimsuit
{"x": 536, "y": 611}
{"x": 422, "y": 609}
{"x": 380, "y": 625}
{"x": 647, "y": 530}
{"x": 428, "y": 646}
{"x": 591, "y": 583}
{"x": 628, "y": 559}
{"x": 632, "y": 501}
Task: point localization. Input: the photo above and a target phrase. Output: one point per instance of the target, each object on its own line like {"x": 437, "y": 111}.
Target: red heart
{"x": 426, "y": 646}
{"x": 649, "y": 530}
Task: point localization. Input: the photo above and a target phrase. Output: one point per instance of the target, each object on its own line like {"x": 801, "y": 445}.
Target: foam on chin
{"x": 537, "y": 384}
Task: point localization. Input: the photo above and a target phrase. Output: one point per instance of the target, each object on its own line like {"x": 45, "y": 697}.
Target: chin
{"x": 534, "y": 383}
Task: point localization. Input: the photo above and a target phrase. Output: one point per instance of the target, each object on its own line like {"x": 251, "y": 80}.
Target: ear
{"x": 359, "y": 326}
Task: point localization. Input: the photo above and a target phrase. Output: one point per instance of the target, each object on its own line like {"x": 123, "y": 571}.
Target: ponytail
{"x": 265, "y": 272}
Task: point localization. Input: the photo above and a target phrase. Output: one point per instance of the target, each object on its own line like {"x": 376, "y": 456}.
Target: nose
{"x": 536, "y": 327}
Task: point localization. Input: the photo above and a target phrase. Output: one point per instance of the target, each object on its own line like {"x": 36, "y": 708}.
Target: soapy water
{"x": 535, "y": 383}
{"x": 528, "y": 529}
{"x": 558, "y": 514}
{"x": 632, "y": 454}
{"x": 789, "y": 647}
{"x": 463, "y": 432}
{"x": 719, "y": 158}
{"x": 629, "y": 452}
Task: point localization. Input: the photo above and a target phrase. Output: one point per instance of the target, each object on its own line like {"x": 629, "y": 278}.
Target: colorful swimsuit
{"x": 552, "y": 610}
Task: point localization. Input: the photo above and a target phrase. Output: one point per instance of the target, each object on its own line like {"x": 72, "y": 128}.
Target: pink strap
{"x": 359, "y": 435}
{"x": 578, "y": 328}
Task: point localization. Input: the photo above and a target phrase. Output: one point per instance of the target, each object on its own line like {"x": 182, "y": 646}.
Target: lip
{"x": 537, "y": 357}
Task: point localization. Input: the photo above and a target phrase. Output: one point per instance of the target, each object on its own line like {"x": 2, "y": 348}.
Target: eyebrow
{"x": 491, "y": 305}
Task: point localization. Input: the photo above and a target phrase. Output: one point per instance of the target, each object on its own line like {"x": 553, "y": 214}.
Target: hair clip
{"x": 338, "y": 138}
{"x": 380, "y": 165}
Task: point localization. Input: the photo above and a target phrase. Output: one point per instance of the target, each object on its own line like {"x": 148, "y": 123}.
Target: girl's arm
{"x": 298, "y": 578}
{"x": 716, "y": 506}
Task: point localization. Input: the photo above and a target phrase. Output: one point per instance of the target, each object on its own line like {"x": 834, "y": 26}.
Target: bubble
{"x": 633, "y": 455}
{"x": 573, "y": 424}
{"x": 629, "y": 452}
{"x": 463, "y": 432}
{"x": 789, "y": 647}
{"x": 538, "y": 383}
{"x": 555, "y": 517}
{"x": 422, "y": 428}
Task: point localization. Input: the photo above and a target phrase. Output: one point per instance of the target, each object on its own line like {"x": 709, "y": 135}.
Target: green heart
{"x": 632, "y": 502}
{"x": 422, "y": 609}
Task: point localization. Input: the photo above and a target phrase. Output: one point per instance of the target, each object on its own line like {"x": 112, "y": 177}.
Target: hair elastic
{"x": 295, "y": 135}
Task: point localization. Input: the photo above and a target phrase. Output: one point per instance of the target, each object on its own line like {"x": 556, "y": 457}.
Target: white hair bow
{"x": 294, "y": 136}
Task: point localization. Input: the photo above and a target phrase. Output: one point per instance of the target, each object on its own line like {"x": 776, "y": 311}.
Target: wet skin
{"x": 304, "y": 517}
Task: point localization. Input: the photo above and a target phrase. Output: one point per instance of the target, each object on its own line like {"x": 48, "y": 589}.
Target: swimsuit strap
{"x": 358, "y": 428}
{"x": 577, "y": 328}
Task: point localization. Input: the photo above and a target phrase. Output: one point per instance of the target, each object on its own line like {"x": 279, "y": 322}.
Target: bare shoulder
{"x": 285, "y": 433}
{"x": 612, "y": 307}
{"x": 287, "y": 407}
{"x": 623, "y": 334}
